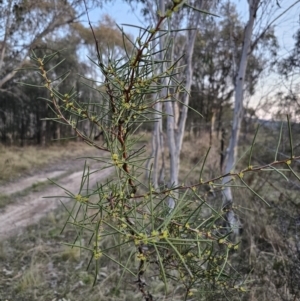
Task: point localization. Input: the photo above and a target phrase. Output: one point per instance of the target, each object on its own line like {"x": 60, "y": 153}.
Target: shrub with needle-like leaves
{"x": 189, "y": 244}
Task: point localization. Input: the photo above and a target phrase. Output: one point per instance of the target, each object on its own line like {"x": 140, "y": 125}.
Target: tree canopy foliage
{"x": 45, "y": 27}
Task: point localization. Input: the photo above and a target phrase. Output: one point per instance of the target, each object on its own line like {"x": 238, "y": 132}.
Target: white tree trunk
{"x": 157, "y": 147}
{"x": 191, "y": 38}
{"x": 238, "y": 99}
{"x": 175, "y": 125}
{"x": 231, "y": 218}
{"x": 171, "y": 125}
{"x": 157, "y": 151}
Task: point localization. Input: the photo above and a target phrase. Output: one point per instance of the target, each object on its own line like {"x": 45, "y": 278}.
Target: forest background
{"x": 264, "y": 103}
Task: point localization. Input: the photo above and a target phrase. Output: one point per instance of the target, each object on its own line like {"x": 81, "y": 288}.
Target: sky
{"x": 285, "y": 28}
{"x": 123, "y": 13}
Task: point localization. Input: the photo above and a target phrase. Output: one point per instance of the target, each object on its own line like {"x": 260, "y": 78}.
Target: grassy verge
{"x": 35, "y": 187}
{"x": 39, "y": 267}
{"x": 17, "y": 161}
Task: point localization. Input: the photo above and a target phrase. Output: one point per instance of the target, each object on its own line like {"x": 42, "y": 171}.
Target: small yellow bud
{"x": 154, "y": 233}
{"x": 97, "y": 255}
{"x": 164, "y": 234}
{"x": 78, "y": 197}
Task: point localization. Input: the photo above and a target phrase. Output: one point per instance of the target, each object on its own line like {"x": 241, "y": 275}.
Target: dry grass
{"x": 268, "y": 251}
{"x": 38, "y": 267}
{"x": 194, "y": 150}
{"x": 268, "y": 255}
{"x": 41, "y": 268}
{"x": 17, "y": 161}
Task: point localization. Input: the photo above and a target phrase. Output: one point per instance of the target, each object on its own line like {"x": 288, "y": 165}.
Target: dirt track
{"x": 29, "y": 209}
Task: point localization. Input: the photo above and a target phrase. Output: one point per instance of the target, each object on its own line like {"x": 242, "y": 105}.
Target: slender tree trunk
{"x": 157, "y": 147}
{"x": 57, "y": 133}
{"x": 220, "y": 112}
{"x": 212, "y": 126}
{"x": 22, "y": 131}
{"x": 176, "y": 129}
{"x": 3, "y": 42}
{"x": 37, "y": 125}
{"x": 191, "y": 38}
{"x": 174, "y": 162}
{"x": 232, "y": 151}
{"x": 176, "y": 126}
{"x": 239, "y": 97}
{"x": 157, "y": 152}
{"x": 43, "y": 133}
{"x": 162, "y": 151}
{"x": 44, "y": 127}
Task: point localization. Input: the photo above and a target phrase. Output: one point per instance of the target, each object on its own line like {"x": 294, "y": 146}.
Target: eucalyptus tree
{"x": 291, "y": 63}
{"x": 287, "y": 99}
{"x": 24, "y": 109}
{"x": 187, "y": 21}
{"x": 44, "y": 26}
{"x": 67, "y": 49}
{"x": 176, "y": 124}
{"x": 25, "y": 26}
{"x": 213, "y": 84}
{"x": 259, "y": 23}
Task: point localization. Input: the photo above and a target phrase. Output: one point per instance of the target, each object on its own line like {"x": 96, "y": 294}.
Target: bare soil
{"x": 31, "y": 207}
